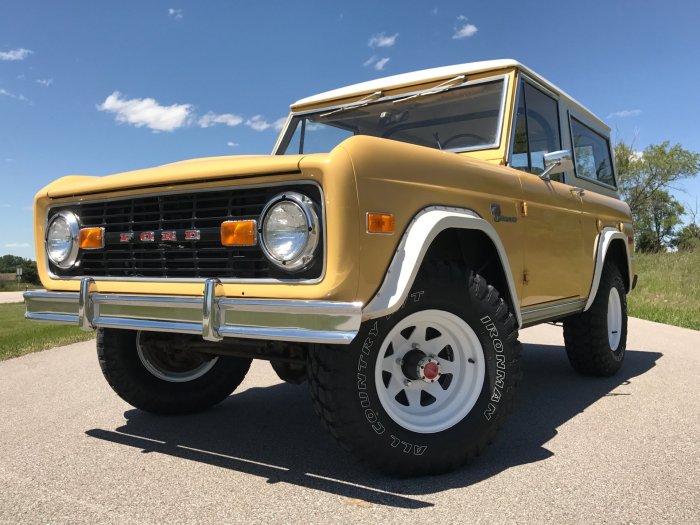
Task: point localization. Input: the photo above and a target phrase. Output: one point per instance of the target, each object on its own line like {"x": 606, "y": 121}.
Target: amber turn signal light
{"x": 91, "y": 238}
{"x": 380, "y": 223}
{"x": 238, "y": 233}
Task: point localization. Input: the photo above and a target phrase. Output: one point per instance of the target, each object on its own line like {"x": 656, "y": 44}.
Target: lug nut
{"x": 407, "y": 382}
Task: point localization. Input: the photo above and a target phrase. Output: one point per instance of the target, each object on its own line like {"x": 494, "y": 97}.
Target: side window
{"x": 314, "y": 137}
{"x": 591, "y": 154}
{"x": 536, "y": 130}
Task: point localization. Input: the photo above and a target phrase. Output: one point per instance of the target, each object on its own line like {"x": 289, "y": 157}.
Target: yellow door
{"x": 553, "y": 241}
{"x": 553, "y": 254}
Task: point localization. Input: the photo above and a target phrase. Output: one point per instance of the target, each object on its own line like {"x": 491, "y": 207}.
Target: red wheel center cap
{"x": 431, "y": 370}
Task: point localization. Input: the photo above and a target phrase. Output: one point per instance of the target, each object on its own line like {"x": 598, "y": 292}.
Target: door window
{"x": 536, "y": 130}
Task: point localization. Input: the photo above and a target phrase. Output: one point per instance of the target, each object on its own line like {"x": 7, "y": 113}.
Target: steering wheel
{"x": 479, "y": 139}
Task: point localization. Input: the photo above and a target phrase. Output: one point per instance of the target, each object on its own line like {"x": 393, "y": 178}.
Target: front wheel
{"x": 425, "y": 389}
{"x": 158, "y": 373}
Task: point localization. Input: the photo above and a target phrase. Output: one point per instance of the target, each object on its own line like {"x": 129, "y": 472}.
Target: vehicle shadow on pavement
{"x": 273, "y": 433}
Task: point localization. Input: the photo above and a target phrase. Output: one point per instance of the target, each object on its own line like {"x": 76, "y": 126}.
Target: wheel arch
{"x": 611, "y": 246}
{"x": 441, "y": 232}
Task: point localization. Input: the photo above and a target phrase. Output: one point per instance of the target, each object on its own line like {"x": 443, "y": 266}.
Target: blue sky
{"x": 102, "y": 87}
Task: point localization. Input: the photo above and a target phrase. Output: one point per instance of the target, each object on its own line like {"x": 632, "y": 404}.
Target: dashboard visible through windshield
{"x": 461, "y": 118}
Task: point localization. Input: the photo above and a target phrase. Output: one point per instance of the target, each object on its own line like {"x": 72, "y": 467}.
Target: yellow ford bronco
{"x": 387, "y": 252}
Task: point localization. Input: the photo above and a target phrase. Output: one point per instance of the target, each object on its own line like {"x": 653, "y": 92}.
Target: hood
{"x": 210, "y": 168}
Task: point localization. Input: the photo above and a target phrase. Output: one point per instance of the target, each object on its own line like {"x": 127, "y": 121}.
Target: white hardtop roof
{"x": 425, "y": 75}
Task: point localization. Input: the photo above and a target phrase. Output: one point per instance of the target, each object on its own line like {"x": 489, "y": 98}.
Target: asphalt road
{"x": 577, "y": 450}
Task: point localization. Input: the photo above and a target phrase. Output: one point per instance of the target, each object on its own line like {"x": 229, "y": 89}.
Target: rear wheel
{"x": 596, "y": 339}
{"x": 160, "y": 374}
{"x": 425, "y": 389}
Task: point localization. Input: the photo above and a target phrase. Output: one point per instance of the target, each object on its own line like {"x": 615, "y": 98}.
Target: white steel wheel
{"x": 429, "y": 371}
{"x": 174, "y": 367}
{"x": 614, "y": 318}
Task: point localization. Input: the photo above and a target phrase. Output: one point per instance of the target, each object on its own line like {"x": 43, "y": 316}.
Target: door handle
{"x": 579, "y": 192}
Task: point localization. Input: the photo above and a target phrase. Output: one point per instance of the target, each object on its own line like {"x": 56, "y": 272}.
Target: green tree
{"x": 10, "y": 263}
{"x": 688, "y": 238}
{"x": 657, "y": 168}
{"x": 644, "y": 179}
{"x": 656, "y": 223}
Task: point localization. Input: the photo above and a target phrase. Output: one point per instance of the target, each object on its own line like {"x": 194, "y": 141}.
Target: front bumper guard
{"x": 212, "y": 316}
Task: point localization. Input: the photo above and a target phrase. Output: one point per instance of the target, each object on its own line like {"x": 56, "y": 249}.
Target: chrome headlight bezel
{"x": 73, "y": 224}
{"x": 306, "y": 255}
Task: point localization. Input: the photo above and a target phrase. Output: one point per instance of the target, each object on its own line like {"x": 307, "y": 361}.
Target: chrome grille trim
{"x": 209, "y": 258}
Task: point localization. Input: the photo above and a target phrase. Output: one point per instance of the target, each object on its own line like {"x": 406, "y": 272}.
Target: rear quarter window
{"x": 591, "y": 154}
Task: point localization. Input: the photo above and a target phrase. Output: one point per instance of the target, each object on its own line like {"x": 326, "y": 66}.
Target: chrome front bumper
{"x": 212, "y": 316}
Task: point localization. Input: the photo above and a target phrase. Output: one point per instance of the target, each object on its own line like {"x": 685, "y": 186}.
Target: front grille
{"x": 180, "y": 212}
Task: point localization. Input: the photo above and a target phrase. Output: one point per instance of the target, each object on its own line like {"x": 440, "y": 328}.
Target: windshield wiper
{"x": 360, "y": 103}
{"x": 444, "y": 86}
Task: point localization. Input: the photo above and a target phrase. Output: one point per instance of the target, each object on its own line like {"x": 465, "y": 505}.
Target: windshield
{"x": 463, "y": 118}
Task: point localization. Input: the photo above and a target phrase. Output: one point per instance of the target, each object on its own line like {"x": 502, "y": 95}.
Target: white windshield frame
{"x": 285, "y": 135}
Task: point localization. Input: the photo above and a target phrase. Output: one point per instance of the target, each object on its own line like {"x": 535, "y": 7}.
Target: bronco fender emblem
{"x": 495, "y": 209}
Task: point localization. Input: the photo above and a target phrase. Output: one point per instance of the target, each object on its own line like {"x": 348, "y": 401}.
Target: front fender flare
{"x": 416, "y": 240}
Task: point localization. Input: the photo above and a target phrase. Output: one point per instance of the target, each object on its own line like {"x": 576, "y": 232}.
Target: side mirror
{"x": 556, "y": 162}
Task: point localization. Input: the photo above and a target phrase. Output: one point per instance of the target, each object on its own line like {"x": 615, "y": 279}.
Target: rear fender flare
{"x": 605, "y": 239}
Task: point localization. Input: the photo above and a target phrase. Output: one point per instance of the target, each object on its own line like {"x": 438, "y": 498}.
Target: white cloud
{"x": 175, "y": 13}
{"x": 45, "y": 82}
{"x": 625, "y": 113}
{"x": 371, "y": 60}
{"x": 147, "y": 112}
{"x": 15, "y": 54}
{"x": 232, "y": 144}
{"x": 464, "y": 29}
{"x": 212, "y": 119}
{"x": 382, "y": 40}
{"x": 258, "y": 123}
{"x": 376, "y": 62}
{"x": 379, "y": 64}
{"x": 18, "y": 96}
{"x": 279, "y": 123}
{"x": 17, "y": 245}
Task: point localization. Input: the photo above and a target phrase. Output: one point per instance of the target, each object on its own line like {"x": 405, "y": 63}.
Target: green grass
{"x": 19, "y": 336}
{"x": 668, "y": 289}
{"x": 11, "y": 286}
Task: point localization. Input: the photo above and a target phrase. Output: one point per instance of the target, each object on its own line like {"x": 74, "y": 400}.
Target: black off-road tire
{"x": 344, "y": 390}
{"x": 586, "y": 334}
{"x": 128, "y": 377}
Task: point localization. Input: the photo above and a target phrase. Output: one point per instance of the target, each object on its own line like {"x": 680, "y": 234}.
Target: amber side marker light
{"x": 380, "y": 223}
{"x": 238, "y": 233}
{"x": 91, "y": 238}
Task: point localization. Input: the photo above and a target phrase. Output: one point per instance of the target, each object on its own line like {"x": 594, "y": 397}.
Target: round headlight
{"x": 289, "y": 231}
{"x": 62, "y": 239}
